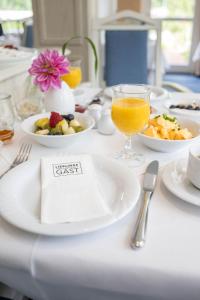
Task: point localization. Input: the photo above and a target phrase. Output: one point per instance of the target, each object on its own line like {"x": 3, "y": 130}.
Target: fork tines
{"x": 23, "y": 154}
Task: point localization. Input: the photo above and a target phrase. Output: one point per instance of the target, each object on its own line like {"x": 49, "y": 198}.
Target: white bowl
{"x": 173, "y": 145}
{"x": 57, "y": 141}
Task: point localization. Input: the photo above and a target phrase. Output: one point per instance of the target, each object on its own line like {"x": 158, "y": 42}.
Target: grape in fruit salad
{"x": 58, "y": 124}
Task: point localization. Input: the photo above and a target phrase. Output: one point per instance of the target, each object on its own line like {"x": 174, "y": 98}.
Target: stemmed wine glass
{"x": 130, "y": 114}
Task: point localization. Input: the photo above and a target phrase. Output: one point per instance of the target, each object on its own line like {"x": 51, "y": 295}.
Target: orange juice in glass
{"x": 74, "y": 77}
{"x": 130, "y": 114}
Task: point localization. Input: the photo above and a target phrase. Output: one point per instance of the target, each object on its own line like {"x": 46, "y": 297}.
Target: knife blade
{"x": 149, "y": 183}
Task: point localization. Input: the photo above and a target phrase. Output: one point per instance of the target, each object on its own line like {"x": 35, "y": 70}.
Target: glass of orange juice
{"x": 74, "y": 77}
{"x": 130, "y": 114}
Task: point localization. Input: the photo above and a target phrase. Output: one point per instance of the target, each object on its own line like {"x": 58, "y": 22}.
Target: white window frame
{"x": 189, "y": 68}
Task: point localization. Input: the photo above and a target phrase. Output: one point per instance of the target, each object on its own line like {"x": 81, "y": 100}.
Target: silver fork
{"x": 22, "y": 156}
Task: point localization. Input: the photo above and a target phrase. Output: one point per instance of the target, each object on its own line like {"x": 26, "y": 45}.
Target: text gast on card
{"x": 64, "y": 169}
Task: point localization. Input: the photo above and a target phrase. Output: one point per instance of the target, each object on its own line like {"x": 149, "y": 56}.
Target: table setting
{"x": 99, "y": 197}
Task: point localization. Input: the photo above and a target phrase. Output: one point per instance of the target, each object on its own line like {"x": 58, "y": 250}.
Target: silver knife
{"x": 149, "y": 183}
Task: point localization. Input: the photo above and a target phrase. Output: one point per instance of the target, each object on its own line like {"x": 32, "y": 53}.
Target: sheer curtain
{"x": 196, "y": 40}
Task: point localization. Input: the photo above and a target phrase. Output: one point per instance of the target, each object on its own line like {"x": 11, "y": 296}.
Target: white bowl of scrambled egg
{"x": 166, "y": 133}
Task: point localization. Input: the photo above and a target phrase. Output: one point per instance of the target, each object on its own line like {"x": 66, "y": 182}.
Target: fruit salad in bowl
{"x": 58, "y": 124}
{"x": 56, "y": 130}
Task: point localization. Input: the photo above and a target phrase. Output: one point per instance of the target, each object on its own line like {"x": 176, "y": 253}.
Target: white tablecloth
{"x": 101, "y": 265}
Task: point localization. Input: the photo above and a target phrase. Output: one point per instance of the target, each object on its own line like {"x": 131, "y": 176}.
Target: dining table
{"x": 102, "y": 265}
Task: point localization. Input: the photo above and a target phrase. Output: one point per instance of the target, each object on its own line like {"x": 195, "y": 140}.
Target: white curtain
{"x": 196, "y": 40}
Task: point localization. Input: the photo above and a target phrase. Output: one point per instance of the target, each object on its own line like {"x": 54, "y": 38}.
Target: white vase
{"x": 60, "y": 100}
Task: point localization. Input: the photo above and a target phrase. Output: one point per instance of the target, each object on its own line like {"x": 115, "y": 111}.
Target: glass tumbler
{"x": 6, "y": 118}
{"x": 74, "y": 77}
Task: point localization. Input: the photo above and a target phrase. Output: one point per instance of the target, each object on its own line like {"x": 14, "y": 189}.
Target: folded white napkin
{"x": 69, "y": 190}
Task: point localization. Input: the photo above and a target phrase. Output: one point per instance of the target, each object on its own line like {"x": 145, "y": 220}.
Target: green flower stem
{"x": 96, "y": 63}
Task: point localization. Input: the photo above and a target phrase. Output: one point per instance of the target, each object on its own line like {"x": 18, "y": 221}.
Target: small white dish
{"x": 186, "y": 100}
{"x": 20, "y": 199}
{"x": 157, "y": 93}
{"x": 172, "y": 145}
{"x": 57, "y": 141}
{"x": 175, "y": 180}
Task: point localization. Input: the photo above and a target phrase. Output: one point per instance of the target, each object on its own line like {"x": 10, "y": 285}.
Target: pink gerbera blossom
{"x": 47, "y": 69}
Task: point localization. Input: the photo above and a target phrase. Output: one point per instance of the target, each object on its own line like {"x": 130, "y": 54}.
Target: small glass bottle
{"x": 6, "y": 118}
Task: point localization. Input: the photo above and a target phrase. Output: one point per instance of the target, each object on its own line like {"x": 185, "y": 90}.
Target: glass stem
{"x": 128, "y": 147}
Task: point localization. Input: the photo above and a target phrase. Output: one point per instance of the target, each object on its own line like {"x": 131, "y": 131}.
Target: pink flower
{"x": 47, "y": 69}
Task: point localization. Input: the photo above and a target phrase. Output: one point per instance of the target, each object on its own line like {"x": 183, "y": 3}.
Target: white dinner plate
{"x": 20, "y": 198}
{"x": 184, "y": 101}
{"x": 157, "y": 93}
{"x": 175, "y": 180}
{"x": 84, "y": 95}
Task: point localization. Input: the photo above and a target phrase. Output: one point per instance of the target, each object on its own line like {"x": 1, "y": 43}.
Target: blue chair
{"x": 28, "y": 35}
{"x": 1, "y": 30}
{"x": 125, "y": 57}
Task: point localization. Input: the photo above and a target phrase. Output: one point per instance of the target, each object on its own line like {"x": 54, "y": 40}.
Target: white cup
{"x": 193, "y": 167}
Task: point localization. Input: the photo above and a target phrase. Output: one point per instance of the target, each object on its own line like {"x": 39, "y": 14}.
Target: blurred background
{"x": 48, "y": 23}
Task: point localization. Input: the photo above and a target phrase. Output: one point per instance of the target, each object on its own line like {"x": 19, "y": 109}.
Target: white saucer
{"x": 175, "y": 180}
{"x": 20, "y": 198}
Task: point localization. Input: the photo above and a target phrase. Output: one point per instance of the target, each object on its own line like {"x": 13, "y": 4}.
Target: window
{"x": 177, "y": 29}
{"x": 15, "y": 5}
{"x": 13, "y": 13}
